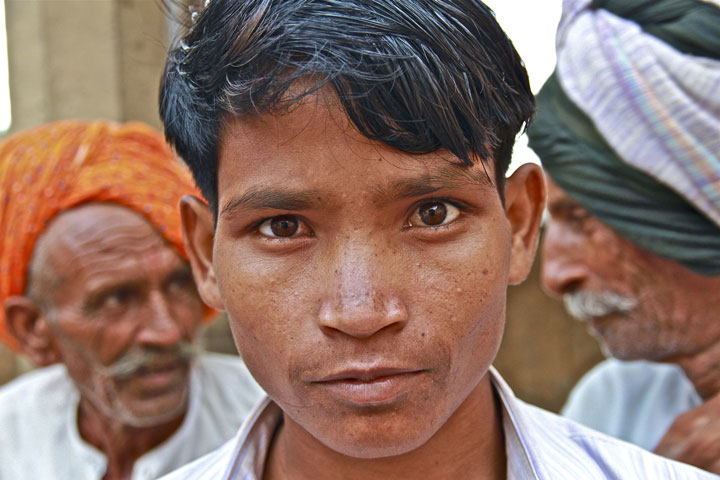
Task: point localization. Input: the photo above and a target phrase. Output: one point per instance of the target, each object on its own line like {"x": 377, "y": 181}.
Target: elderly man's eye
{"x": 434, "y": 214}
{"x": 283, "y": 226}
{"x": 117, "y": 299}
{"x": 180, "y": 281}
{"x": 578, "y": 217}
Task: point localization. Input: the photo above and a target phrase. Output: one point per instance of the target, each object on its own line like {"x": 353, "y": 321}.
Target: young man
{"x": 96, "y": 287}
{"x": 627, "y": 129}
{"x": 360, "y": 235}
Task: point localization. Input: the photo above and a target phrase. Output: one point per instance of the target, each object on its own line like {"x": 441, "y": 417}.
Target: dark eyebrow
{"x": 448, "y": 177}
{"x": 276, "y": 198}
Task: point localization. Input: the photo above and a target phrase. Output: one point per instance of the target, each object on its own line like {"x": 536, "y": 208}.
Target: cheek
{"x": 103, "y": 343}
{"x": 270, "y": 305}
{"x": 188, "y": 313}
{"x": 460, "y": 298}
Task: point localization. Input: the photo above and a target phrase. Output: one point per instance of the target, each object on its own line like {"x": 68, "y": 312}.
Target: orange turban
{"x": 63, "y": 164}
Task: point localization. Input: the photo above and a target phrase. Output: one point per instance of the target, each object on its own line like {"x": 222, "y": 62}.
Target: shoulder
{"x": 34, "y": 409}
{"x": 22, "y": 392}
{"x": 208, "y": 467}
{"x": 220, "y": 362}
{"x": 635, "y": 374}
{"x": 560, "y": 445}
{"x": 615, "y": 380}
{"x": 228, "y": 372}
{"x": 225, "y": 385}
{"x": 635, "y": 401}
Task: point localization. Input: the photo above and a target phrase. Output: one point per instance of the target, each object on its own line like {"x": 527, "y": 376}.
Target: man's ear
{"x": 198, "y": 233}
{"x": 26, "y": 322}
{"x": 525, "y": 193}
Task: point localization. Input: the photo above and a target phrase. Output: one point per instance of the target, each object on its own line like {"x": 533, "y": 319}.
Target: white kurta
{"x": 635, "y": 401}
{"x": 39, "y": 438}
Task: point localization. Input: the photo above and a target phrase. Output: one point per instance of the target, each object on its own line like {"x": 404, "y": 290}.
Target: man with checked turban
{"x": 628, "y": 130}
{"x": 96, "y": 287}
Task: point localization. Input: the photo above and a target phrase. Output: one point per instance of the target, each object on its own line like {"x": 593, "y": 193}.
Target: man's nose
{"x": 563, "y": 270}
{"x": 158, "y": 326}
{"x": 362, "y": 300}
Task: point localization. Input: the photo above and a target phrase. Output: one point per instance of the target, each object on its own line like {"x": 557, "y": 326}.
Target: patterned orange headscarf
{"x": 60, "y": 165}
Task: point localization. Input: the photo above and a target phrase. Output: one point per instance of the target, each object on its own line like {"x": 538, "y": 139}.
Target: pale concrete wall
{"x": 85, "y": 59}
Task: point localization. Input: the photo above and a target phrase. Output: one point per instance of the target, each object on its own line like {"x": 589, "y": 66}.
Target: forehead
{"x": 98, "y": 237}
{"x": 558, "y": 200}
{"x": 315, "y": 142}
{"x": 554, "y": 193}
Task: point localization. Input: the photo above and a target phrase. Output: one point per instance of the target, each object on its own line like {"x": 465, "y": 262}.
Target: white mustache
{"x": 585, "y": 305}
{"x": 126, "y": 366}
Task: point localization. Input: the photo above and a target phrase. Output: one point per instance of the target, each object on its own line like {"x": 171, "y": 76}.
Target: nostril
{"x": 361, "y": 319}
{"x": 570, "y": 287}
{"x": 558, "y": 279}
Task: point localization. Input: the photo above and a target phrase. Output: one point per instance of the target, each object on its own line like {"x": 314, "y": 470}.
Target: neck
{"x": 122, "y": 444}
{"x": 469, "y": 445}
{"x": 703, "y": 370}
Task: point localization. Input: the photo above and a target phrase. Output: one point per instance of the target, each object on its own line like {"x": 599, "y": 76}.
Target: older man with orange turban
{"x": 96, "y": 287}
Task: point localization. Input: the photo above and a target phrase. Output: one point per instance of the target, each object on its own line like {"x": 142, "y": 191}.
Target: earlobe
{"x": 198, "y": 234}
{"x": 28, "y": 325}
{"x": 525, "y": 194}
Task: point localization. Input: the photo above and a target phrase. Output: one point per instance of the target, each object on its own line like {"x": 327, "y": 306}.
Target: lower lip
{"x": 379, "y": 391}
{"x": 603, "y": 318}
{"x": 599, "y": 325}
{"x": 161, "y": 377}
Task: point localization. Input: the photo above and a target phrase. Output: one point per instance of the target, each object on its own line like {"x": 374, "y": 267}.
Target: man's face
{"x": 122, "y": 307}
{"x": 365, "y": 287}
{"x": 637, "y": 304}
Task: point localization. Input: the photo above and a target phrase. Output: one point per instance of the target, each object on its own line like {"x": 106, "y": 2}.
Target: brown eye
{"x": 283, "y": 226}
{"x": 432, "y": 213}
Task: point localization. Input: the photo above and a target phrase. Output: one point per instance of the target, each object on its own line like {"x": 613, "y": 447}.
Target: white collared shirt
{"x": 39, "y": 438}
{"x": 538, "y": 445}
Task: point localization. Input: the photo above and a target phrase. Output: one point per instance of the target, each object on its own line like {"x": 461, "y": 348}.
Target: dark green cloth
{"x": 636, "y": 205}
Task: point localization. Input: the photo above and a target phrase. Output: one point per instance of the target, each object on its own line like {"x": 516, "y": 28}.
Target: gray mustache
{"x": 129, "y": 364}
{"x": 585, "y": 305}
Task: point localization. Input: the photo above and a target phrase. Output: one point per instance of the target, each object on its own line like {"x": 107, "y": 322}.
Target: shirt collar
{"x": 517, "y": 450}
{"x": 254, "y": 438}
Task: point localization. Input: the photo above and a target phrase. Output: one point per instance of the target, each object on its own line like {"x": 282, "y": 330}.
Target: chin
{"x": 628, "y": 352}
{"x": 375, "y": 448}
{"x": 151, "y": 412}
{"x": 379, "y": 439}
{"x": 144, "y": 421}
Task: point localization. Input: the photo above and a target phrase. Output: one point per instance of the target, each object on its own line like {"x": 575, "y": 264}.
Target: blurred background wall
{"x": 104, "y": 58}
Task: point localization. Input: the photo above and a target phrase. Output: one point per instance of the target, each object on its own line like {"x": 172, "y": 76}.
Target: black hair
{"x": 418, "y": 75}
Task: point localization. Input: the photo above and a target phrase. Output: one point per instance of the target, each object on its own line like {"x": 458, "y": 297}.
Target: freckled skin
{"x": 364, "y": 281}
{"x": 673, "y": 317}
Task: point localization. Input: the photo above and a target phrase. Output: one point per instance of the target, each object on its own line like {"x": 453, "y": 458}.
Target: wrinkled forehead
{"x": 95, "y": 234}
{"x": 557, "y": 197}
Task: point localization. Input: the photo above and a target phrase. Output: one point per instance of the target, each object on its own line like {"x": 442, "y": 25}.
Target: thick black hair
{"x": 418, "y": 75}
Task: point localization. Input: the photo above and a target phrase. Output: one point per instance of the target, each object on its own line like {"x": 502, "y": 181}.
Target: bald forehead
{"x": 92, "y": 232}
